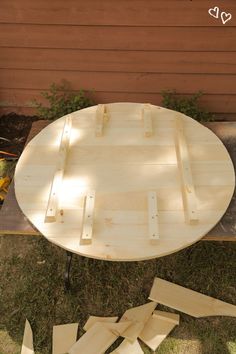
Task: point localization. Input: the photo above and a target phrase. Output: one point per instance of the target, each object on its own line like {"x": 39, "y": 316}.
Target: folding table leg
{"x": 67, "y": 271}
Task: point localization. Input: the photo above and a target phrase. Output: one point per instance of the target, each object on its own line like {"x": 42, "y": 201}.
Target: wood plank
{"x": 93, "y": 12}
{"x": 12, "y": 220}
{"x": 128, "y": 348}
{"x": 119, "y": 38}
{"x": 153, "y": 219}
{"x": 187, "y": 185}
{"x": 125, "y": 82}
{"x": 167, "y": 316}
{"x": 88, "y": 217}
{"x": 23, "y": 97}
{"x": 99, "y": 123}
{"x": 188, "y": 301}
{"x": 27, "y": 345}
{"x": 64, "y": 336}
{"x": 147, "y": 120}
{"x": 53, "y": 201}
{"x": 94, "y": 319}
{"x": 119, "y": 61}
{"x": 97, "y": 339}
{"x": 157, "y": 329}
{"x": 139, "y": 316}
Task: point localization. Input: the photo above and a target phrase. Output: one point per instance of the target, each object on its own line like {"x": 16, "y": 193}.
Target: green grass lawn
{"x": 31, "y": 286}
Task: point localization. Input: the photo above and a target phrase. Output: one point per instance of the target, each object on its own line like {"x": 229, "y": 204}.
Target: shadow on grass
{"x": 31, "y": 286}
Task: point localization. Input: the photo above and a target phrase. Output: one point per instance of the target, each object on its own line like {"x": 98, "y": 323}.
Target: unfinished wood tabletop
{"x": 124, "y": 181}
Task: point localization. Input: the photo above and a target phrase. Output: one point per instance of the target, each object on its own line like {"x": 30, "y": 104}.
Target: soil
{"x": 15, "y": 128}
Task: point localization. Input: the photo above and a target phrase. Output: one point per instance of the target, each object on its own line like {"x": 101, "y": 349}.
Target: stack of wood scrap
{"x": 139, "y": 323}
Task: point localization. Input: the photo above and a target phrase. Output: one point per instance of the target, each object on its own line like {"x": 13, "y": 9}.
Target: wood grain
{"x": 105, "y": 12}
{"x": 119, "y": 38}
{"x": 122, "y": 166}
{"x": 121, "y": 82}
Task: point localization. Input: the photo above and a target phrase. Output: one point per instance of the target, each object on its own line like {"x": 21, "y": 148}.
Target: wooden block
{"x": 188, "y": 190}
{"x": 156, "y": 330}
{"x": 99, "y": 125}
{"x": 98, "y": 338}
{"x": 153, "y": 217}
{"x": 189, "y": 301}
{"x": 139, "y": 316}
{"x": 88, "y": 217}
{"x": 64, "y": 336}
{"x": 128, "y": 348}
{"x": 27, "y": 344}
{"x": 95, "y": 319}
{"x": 53, "y": 201}
{"x": 147, "y": 120}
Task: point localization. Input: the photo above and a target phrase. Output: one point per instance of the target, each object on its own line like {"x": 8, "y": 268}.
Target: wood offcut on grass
{"x": 31, "y": 286}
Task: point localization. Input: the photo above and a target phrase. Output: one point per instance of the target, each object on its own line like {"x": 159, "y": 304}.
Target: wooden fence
{"x": 126, "y": 50}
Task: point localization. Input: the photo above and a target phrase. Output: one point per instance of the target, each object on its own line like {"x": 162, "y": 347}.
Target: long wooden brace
{"x": 53, "y": 200}
{"x": 187, "y": 185}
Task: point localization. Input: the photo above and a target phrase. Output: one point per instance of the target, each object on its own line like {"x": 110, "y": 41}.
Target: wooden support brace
{"x": 53, "y": 201}
{"x": 188, "y": 190}
{"x": 147, "y": 120}
{"x": 88, "y": 217}
{"x": 101, "y": 118}
{"x": 153, "y": 217}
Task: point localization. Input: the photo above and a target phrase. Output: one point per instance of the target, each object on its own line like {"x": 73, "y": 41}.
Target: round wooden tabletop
{"x": 124, "y": 181}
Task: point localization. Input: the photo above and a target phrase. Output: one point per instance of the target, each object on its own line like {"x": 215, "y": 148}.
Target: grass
{"x": 31, "y": 286}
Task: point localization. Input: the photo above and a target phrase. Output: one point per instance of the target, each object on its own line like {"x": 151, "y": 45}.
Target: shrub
{"x": 61, "y": 101}
{"x": 187, "y": 105}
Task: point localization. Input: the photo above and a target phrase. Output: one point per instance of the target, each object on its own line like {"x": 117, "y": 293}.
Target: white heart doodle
{"x": 214, "y": 12}
{"x": 225, "y": 17}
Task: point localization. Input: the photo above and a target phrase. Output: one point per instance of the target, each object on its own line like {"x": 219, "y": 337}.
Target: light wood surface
{"x": 94, "y": 319}
{"x": 122, "y": 166}
{"x": 157, "y": 329}
{"x": 128, "y": 348}
{"x": 138, "y": 316}
{"x": 64, "y": 336}
{"x": 98, "y": 338}
{"x": 27, "y": 344}
{"x": 189, "y": 301}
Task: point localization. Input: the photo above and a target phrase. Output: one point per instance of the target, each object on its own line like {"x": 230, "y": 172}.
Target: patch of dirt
{"x": 15, "y": 128}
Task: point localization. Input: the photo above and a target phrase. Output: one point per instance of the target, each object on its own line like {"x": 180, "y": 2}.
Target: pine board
{"x": 213, "y": 188}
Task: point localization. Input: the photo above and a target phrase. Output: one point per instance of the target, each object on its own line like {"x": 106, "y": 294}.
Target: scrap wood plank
{"x": 98, "y": 338}
{"x": 94, "y": 319}
{"x": 53, "y": 201}
{"x": 157, "y": 329}
{"x": 153, "y": 217}
{"x": 139, "y": 316}
{"x": 188, "y": 190}
{"x": 147, "y": 120}
{"x": 27, "y": 344}
{"x": 167, "y": 316}
{"x": 128, "y": 348}
{"x": 64, "y": 336}
{"x": 188, "y": 301}
{"x": 88, "y": 217}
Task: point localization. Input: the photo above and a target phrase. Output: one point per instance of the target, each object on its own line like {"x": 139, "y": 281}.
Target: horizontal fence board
{"x": 118, "y": 61}
{"x": 120, "y": 82}
{"x": 119, "y": 38}
{"x": 107, "y": 12}
{"x": 212, "y": 103}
